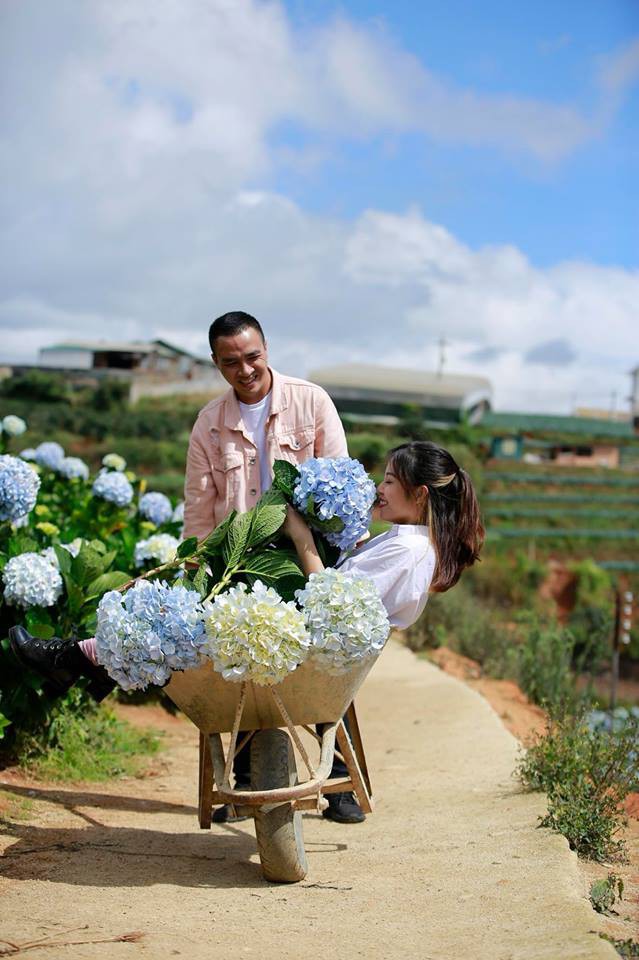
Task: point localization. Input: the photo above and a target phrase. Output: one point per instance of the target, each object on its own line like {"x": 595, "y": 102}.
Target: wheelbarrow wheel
{"x": 278, "y": 828}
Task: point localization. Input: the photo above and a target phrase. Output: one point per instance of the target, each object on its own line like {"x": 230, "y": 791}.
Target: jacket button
{"x": 253, "y": 492}
{"x": 295, "y": 444}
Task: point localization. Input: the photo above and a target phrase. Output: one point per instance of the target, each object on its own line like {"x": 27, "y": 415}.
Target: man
{"x": 264, "y": 417}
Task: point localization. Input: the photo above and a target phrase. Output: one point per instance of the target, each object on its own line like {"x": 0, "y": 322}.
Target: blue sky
{"x": 586, "y": 206}
{"x": 366, "y": 178}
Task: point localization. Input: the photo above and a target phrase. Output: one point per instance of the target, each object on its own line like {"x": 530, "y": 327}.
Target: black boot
{"x": 343, "y": 808}
{"x": 60, "y": 662}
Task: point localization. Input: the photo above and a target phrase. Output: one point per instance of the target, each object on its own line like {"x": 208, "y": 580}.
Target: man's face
{"x": 243, "y": 362}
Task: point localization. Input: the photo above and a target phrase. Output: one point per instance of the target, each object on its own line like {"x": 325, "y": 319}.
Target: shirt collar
{"x": 408, "y": 529}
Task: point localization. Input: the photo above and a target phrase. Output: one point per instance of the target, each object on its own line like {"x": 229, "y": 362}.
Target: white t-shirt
{"x": 401, "y": 562}
{"x": 255, "y": 416}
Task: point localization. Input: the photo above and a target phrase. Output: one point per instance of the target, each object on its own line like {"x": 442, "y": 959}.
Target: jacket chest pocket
{"x": 296, "y": 446}
{"x": 228, "y": 473}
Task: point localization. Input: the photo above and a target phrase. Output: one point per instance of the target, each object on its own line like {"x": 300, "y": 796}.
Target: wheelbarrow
{"x": 272, "y": 716}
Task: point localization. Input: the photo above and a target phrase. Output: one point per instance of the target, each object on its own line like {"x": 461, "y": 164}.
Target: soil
{"x": 450, "y": 865}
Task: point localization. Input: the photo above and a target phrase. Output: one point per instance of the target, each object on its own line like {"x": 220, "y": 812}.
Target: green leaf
{"x": 271, "y": 565}
{"x": 88, "y": 565}
{"x": 98, "y": 546}
{"x": 187, "y": 548}
{"x": 201, "y": 581}
{"x": 271, "y": 498}
{"x": 43, "y": 631}
{"x": 268, "y": 520}
{"x": 64, "y": 558}
{"x": 285, "y": 476}
{"x": 213, "y": 543}
{"x": 105, "y": 582}
{"x": 238, "y": 537}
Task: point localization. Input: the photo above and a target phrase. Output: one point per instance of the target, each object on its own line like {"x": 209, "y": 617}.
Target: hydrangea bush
{"x": 113, "y": 461}
{"x": 31, "y": 581}
{"x": 13, "y": 426}
{"x": 255, "y": 635}
{"x": 113, "y": 487}
{"x": 345, "y": 618}
{"x": 339, "y": 487}
{"x": 156, "y": 507}
{"x": 146, "y": 633}
{"x": 19, "y": 485}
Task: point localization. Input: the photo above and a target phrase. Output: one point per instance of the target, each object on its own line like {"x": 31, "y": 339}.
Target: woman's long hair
{"x": 451, "y": 512}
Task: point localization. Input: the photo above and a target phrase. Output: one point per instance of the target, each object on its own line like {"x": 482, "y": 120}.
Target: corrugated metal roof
{"x": 414, "y": 385}
{"x": 550, "y": 423}
{"x": 132, "y": 346}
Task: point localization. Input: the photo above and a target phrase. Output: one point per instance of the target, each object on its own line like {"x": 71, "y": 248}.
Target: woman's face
{"x": 395, "y": 505}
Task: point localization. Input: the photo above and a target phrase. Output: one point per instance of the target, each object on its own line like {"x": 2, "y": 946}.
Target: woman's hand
{"x": 297, "y": 529}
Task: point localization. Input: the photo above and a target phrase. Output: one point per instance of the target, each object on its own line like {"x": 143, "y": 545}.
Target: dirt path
{"x": 451, "y": 864}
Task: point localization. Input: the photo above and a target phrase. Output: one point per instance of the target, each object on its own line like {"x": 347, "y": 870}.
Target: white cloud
{"x": 136, "y": 142}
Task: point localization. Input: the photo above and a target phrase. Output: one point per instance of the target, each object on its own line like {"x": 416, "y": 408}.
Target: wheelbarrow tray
{"x": 310, "y": 695}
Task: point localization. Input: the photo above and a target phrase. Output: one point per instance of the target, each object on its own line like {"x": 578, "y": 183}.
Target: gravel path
{"x": 450, "y": 865}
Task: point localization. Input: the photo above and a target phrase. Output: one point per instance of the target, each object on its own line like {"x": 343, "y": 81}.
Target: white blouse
{"x": 401, "y": 562}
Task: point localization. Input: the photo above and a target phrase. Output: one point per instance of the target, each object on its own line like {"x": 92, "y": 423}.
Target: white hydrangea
{"x": 161, "y": 547}
{"x": 114, "y": 462}
{"x": 255, "y": 635}
{"x": 31, "y": 581}
{"x": 13, "y": 426}
{"x": 344, "y": 616}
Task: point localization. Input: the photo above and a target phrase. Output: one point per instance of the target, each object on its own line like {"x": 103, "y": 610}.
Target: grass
{"x": 88, "y": 742}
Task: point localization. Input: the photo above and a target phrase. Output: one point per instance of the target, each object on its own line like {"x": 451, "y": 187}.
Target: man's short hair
{"x": 230, "y": 324}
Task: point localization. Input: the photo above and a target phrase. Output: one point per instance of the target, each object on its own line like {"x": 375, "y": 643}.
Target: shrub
{"x": 36, "y": 386}
{"x": 587, "y": 774}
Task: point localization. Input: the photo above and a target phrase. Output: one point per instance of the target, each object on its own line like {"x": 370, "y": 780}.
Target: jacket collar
{"x": 232, "y": 413}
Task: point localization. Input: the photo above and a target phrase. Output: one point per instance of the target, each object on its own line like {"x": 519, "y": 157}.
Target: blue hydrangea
{"x": 178, "y": 513}
{"x": 339, "y": 487}
{"x": 113, "y": 487}
{"x": 156, "y": 508}
{"x": 148, "y": 632}
{"x": 31, "y": 581}
{"x": 49, "y": 455}
{"x": 73, "y": 468}
{"x": 28, "y": 453}
{"x": 13, "y": 426}
{"x": 19, "y": 485}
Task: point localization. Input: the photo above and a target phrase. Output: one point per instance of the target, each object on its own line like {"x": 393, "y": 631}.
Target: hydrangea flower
{"x": 73, "y": 548}
{"x": 156, "y": 508}
{"x": 113, "y": 461}
{"x": 339, "y": 487}
{"x": 161, "y": 547}
{"x": 178, "y": 513}
{"x": 49, "y": 455}
{"x": 73, "y": 468}
{"x": 13, "y": 426}
{"x": 149, "y": 631}
{"x": 345, "y": 617}
{"x": 28, "y": 453}
{"x": 255, "y": 636}
{"x": 19, "y": 486}
{"x": 114, "y": 487}
{"x": 31, "y": 581}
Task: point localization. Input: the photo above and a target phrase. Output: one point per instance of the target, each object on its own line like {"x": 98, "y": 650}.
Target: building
{"x": 387, "y": 392}
{"x": 153, "y": 367}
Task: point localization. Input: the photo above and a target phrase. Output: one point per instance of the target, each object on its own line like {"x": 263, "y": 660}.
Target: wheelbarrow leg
{"x": 358, "y": 746}
{"x": 205, "y": 797}
{"x": 360, "y": 786}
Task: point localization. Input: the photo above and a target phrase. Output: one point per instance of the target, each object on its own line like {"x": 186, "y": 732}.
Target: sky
{"x": 367, "y": 178}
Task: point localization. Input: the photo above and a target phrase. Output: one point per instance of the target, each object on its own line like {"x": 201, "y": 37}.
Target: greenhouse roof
{"x": 551, "y": 423}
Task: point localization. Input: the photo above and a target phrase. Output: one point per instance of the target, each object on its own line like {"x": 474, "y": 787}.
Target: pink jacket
{"x": 222, "y": 472}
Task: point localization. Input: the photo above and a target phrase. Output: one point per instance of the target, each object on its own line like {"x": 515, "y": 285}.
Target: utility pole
{"x": 443, "y": 343}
